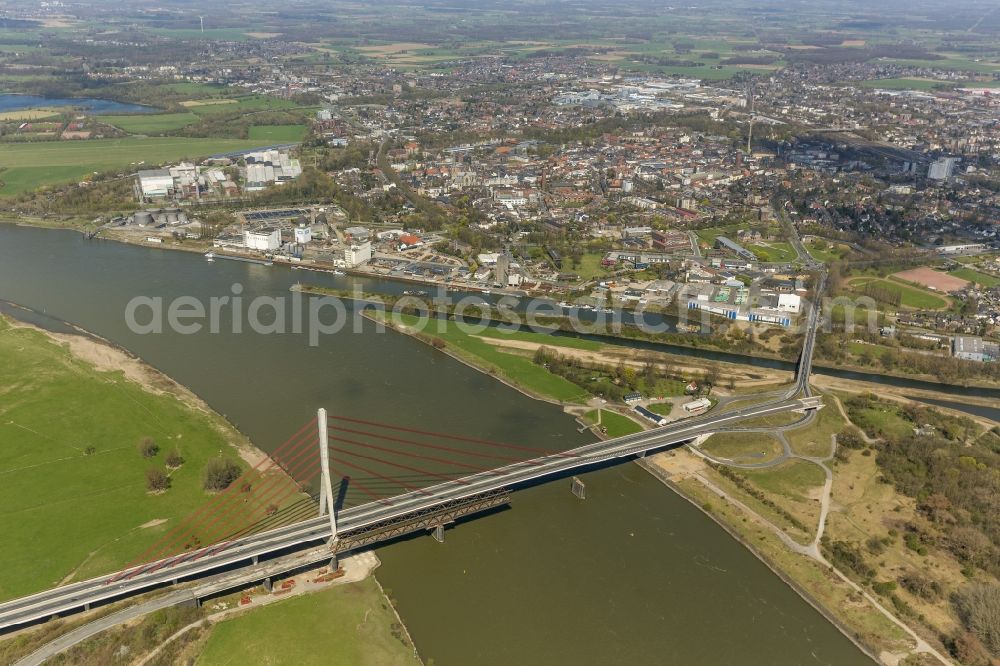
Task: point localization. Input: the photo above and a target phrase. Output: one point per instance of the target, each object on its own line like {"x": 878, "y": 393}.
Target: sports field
{"x": 928, "y": 277}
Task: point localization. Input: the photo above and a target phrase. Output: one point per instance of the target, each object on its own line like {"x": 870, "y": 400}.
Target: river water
{"x": 633, "y": 574}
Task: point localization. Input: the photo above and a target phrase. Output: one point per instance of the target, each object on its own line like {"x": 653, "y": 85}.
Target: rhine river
{"x": 633, "y": 574}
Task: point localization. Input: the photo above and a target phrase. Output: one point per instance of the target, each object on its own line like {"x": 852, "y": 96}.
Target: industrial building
{"x": 789, "y": 303}
{"x": 721, "y": 242}
{"x": 269, "y": 167}
{"x": 153, "y": 184}
{"x": 267, "y": 239}
{"x": 357, "y": 254}
{"x": 974, "y": 348}
{"x": 942, "y": 169}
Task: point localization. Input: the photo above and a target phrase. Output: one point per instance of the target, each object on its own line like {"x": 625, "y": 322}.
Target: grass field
{"x": 982, "y": 279}
{"x": 590, "y": 266}
{"x": 773, "y": 252}
{"x": 245, "y": 104}
{"x": 906, "y": 84}
{"x": 542, "y": 338}
{"x": 881, "y": 419}
{"x": 31, "y": 165}
{"x": 150, "y": 123}
{"x": 617, "y": 425}
{"x": 33, "y": 114}
{"x": 827, "y": 251}
{"x": 661, "y": 408}
{"x": 65, "y": 508}
{"x": 519, "y": 370}
{"x": 814, "y": 439}
{"x": 347, "y": 624}
{"x": 792, "y": 479}
{"x": 954, "y": 62}
{"x": 201, "y": 89}
{"x": 277, "y": 133}
{"x": 817, "y": 580}
{"x": 14, "y": 181}
{"x": 793, "y": 484}
{"x": 743, "y": 447}
{"x": 911, "y": 297}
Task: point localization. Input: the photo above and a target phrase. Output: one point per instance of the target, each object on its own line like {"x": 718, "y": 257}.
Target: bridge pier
{"x": 268, "y": 585}
{"x": 438, "y": 533}
{"x": 334, "y": 563}
{"x": 254, "y": 559}
{"x": 579, "y": 488}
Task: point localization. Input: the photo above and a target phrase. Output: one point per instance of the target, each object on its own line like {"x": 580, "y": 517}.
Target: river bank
{"x": 110, "y": 370}
{"x": 877, "y": 632}
{"x": 677, "y": 340}
{"x": 654, "y": 565}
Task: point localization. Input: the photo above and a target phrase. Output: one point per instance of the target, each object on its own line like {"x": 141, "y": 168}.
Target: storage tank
{"x": 143, "y": 218}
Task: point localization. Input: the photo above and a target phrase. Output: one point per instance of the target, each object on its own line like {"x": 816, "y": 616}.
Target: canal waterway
{"x": 632, "y": 574}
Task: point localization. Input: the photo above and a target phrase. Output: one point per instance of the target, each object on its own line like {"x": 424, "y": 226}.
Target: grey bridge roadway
{"x": 246, "y": 550}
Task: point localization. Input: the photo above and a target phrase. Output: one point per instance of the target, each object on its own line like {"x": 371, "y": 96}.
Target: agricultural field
{"x": 244, "y": 104}
{"x": 89, "y": 459}
{"x": 194, "y": 33}
{"x": 200, "y": 90}
{"x": 147, "y": 123}
{"x": 18, "y": 180}
{"x": 27, "y": 166}
{"x": 33, "y": 114}
{"x": 210, "y": 101}
{"x": 952, "y": 62}
{"x": 906, "y": 84}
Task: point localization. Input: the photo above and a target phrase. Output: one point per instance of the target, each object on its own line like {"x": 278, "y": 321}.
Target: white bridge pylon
{"x": 326, "y": 502}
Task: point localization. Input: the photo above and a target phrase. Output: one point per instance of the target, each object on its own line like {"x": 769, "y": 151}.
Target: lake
{"x": 14, "y": 102}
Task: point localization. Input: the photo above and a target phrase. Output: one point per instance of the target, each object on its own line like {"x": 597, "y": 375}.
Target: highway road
{"x": 246, "y": 550}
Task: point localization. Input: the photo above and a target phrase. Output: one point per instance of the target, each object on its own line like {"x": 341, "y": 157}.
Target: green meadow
{"x": 73, "y": 496}
{"x": 277, "y": 133}
{"x": 149, "y": 123}
{"x": 347, "y": 624}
